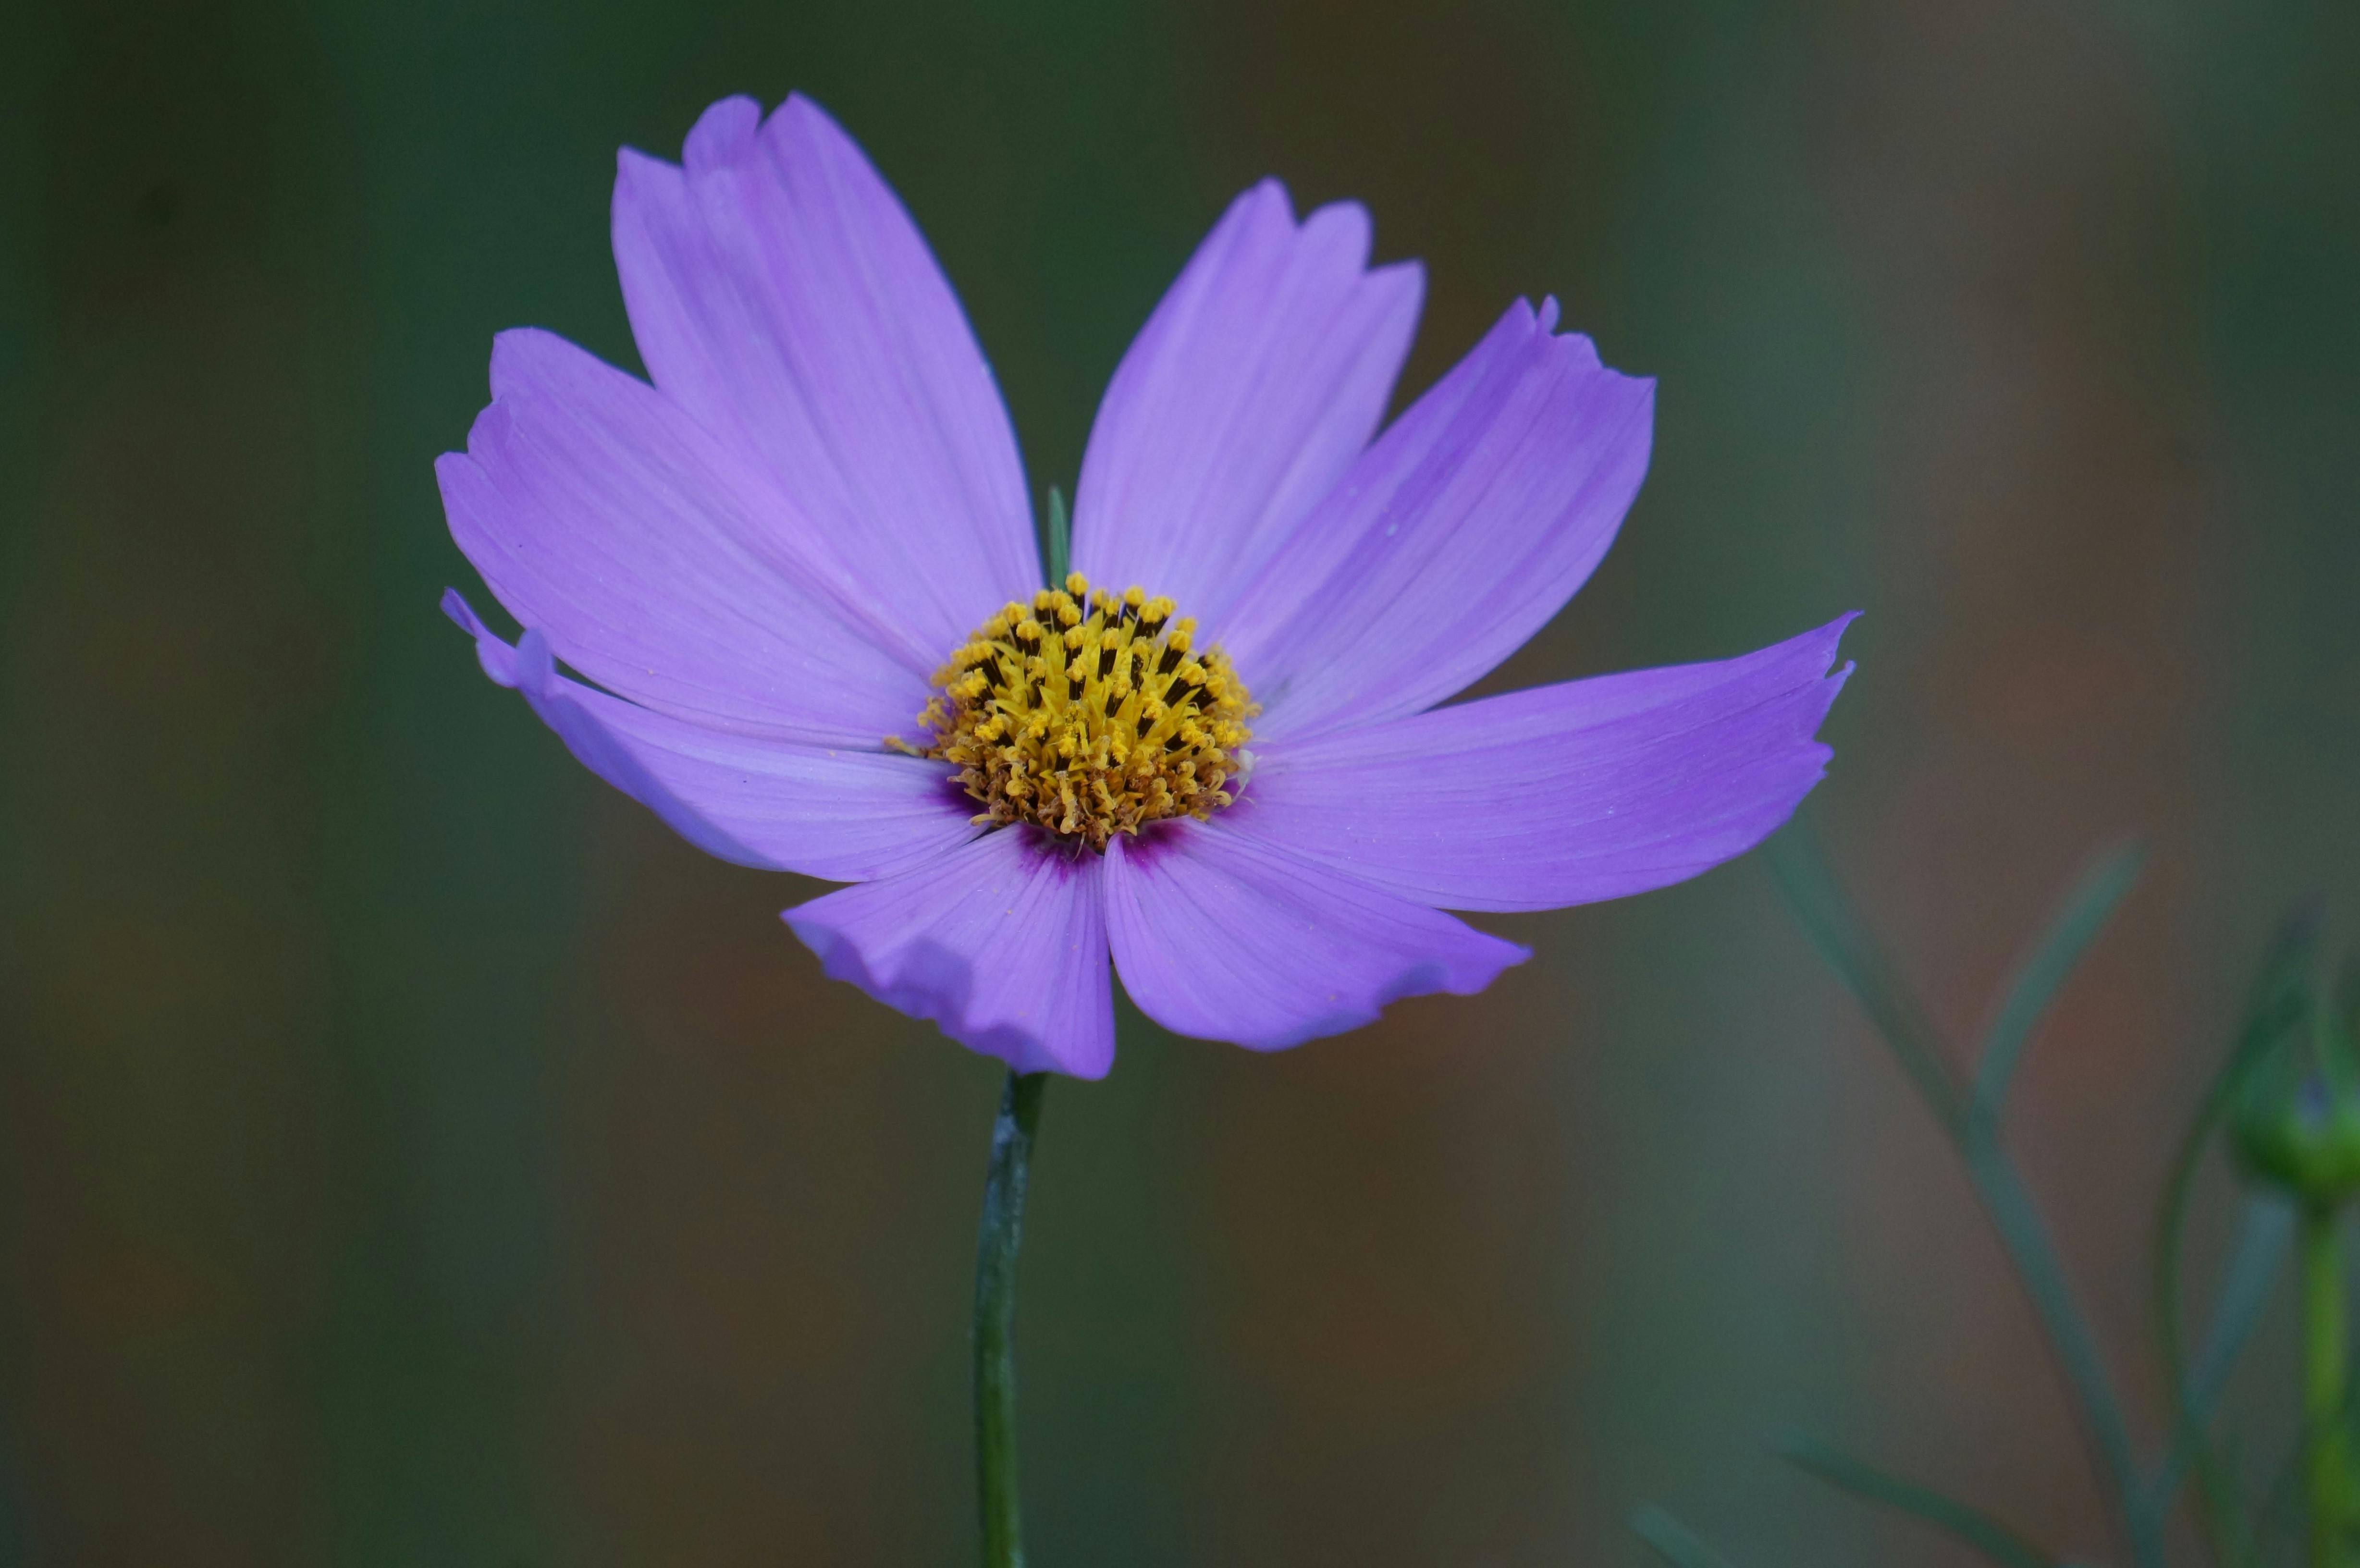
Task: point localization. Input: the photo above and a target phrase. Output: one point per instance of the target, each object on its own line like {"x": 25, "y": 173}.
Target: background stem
{"x": 996, "y": 1240}
{"x": 2324, "y": 1355}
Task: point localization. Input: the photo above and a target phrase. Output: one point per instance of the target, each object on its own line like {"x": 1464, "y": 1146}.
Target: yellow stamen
{"x": 1089, "y": 715}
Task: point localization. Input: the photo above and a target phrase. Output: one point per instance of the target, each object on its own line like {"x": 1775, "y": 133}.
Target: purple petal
{"x": 1247, "y": 396}
{"x": 1560, "y": 795}
{"x": 1220, "y": 935}
{"x": 1002, "y": 943}
{"x": 1455, "y": 538}
{"x": 844, "y": 816}
{"x": 657, "y": 562}
{"x": 780, "y": 292}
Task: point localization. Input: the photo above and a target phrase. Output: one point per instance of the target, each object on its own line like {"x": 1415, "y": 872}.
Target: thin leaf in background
{"x": 2083, "y": 914}
{"x": 1960, "y": 1521}
{"x": 1673, "y": 1541}
{"x": 2273, "y": 1006}
{"x": 2264, "y": 1237}
{"x": 1836, "y": 931}
{"x": 1836, "y": 926}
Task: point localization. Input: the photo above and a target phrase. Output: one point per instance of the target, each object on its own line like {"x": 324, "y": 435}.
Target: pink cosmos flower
{"x": 801, "y": 570}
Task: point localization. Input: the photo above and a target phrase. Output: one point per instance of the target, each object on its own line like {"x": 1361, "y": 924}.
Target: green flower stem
{"x": 1061, "y": 539}
{"x": 2013, "y": 1214}
{"x": 2325, "y": 1356}
{"x": 996, "y": 1242}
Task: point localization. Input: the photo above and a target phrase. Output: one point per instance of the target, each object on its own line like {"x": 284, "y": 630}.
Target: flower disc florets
{"x": 1089, "y": 714}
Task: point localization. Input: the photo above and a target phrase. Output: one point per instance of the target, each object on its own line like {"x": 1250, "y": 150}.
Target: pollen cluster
{"x": 1089, "y": 714}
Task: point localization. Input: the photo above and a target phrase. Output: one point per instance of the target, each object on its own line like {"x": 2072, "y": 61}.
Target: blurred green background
{"x": 410, "y": 1153}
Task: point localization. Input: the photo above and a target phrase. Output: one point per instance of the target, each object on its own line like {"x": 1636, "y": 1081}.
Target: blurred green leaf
{"x": 1843, "y": 939}
{"x": 2023, "y": 1231}
{"x": 1834, "y": 926}
{"x": 1968, "y": 1525}
{"x": 2281, "y": 1521}
{"x": 2077, "y": 923}
{"x": 2265, "y": 1232}
{"x": 2275, "y": 1003}
{"x": 1673, "y": 1541}
{"x": 2347, "y": 995}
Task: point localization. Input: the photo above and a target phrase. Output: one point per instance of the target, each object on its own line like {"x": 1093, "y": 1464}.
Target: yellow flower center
{"x": 1089, "y": 714}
